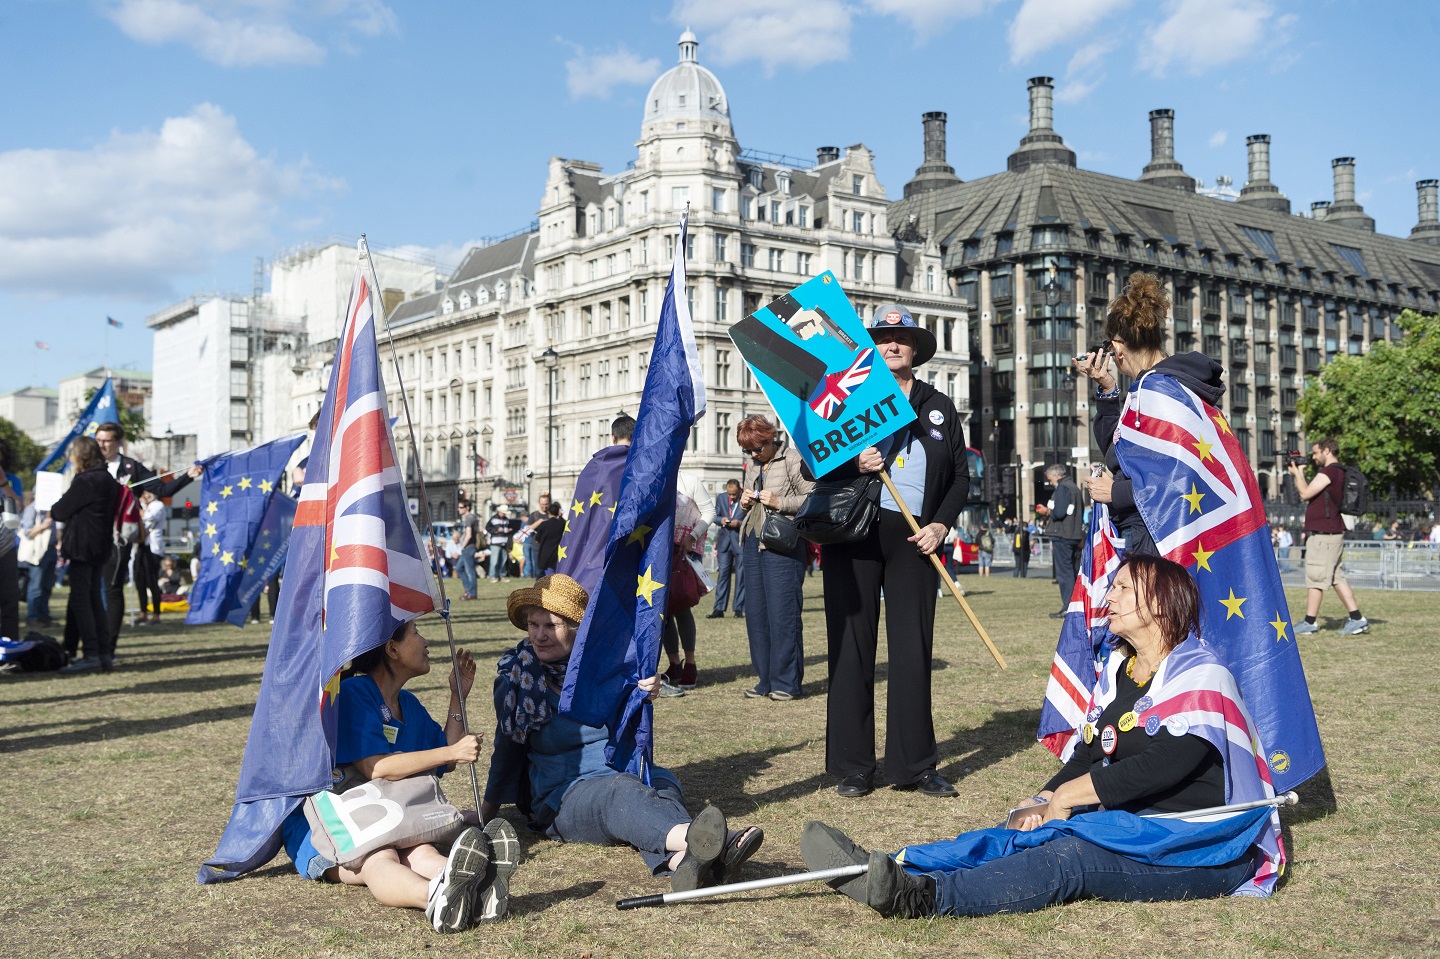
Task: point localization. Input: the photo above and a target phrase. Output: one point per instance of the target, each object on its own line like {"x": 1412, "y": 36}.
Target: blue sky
{"x": 153, "y": 148}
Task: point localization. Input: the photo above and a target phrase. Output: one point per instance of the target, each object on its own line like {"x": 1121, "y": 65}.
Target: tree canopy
{"x": 1383, "y": 408}
{"x": 28, "y": 453}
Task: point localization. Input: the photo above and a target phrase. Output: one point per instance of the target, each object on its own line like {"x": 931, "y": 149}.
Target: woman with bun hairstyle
{"x": 1135, "y": 340}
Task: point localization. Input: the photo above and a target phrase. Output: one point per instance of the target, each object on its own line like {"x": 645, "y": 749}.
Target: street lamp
{"x": 474, "y": 461}
{"x": 552, "y": 360}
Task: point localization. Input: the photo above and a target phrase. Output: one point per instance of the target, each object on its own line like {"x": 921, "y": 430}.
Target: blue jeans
{"x": 1068, "y": 869}
{"x": 773, "y": 584}
{"x": 42, "y": 583}
{"x": 531, "y": 549}
{"x": 730, "y": 562}
{"x": 620, "y": 809}
{"x": 1066, "y": 556}
{"x": 465, "y": 566}
{"x": 499, "y": 561}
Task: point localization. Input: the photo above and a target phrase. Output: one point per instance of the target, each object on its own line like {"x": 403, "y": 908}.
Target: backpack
{"x": 127, "y": 518}
{"x": 38, "y": 653}
{"x": 1354, "y": 492}
{"x": 987, "y": 542}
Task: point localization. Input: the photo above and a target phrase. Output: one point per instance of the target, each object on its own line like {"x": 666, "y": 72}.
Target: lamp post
{"x": 474, "y": 462}
{"x": 552, "y": 360}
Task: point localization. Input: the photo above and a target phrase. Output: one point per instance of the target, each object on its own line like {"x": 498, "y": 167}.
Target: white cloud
{"x": 926, "y": 15}
{"x": 1084, "y": 73}
{"x": 243, "y": 33}
{"x": 1042, "y": 24}
{"x": 1197, "y": 35}
{"x": 1218, "y": 138}
{"x": 130, "y": 215}
{"x": 798, "y": 34}
{"x": 597, "y": 74}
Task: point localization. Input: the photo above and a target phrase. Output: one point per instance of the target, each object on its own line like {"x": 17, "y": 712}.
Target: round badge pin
{"x": 1093, "y": 714}
{"x": 1107, "y": 739}
{"x": 1152, "y": 725}
{"x": 936, "y": 435}
{"x": 1126, "y": 722}
{"x": 937, "y": 417}
{"x": 1178, "y": 725}
{"x": 1088, "y": 733}
{"x": 1143, "y": 703}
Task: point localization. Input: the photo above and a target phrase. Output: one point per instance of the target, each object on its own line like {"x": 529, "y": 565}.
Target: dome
{"x": 687, "y": 91}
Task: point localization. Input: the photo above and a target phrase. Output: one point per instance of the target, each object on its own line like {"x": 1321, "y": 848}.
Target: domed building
{"x": 588, "y": 284}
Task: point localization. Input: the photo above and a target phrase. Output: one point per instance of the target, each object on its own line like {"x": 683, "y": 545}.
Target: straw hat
{"x": 558, "y": 594}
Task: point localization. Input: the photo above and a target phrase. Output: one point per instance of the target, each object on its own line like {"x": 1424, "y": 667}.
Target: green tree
{"x": 132, "y": 420}
{"x": 1384, "y": 409}
{"x": 28, "y": 453}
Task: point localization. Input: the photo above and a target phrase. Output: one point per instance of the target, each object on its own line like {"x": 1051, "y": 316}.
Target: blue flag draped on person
{"x": 581, "y": 555}
{"x": 357, "y": 570}
{"x": 238, "y": 492}
{"x": 619, "y": 641}
{"x": 100, "y": 409}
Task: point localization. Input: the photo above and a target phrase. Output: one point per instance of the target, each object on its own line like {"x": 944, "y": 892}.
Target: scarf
{"x": 524, "y": 679}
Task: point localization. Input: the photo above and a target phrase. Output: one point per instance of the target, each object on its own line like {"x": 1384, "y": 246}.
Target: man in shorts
{"x": 1325, "y": 538}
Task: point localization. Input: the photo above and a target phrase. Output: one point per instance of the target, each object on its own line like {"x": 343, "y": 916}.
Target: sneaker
{"x": 891, "y": 891}
{"x": 756, "y": 694}
{"x": 704, "y": 843}
{"x": 452, "y": 893}
{"x": 1302, "y": 627}
{"x": 689, "y": 675}
{"x": 672, "y": 674}
{"x": 504, "y": 860}
{"x": 668, "y": 691}
{"x": 1354, "y": 627}
{"x": 780, "y": 696}
{"x": 85, "y": 665}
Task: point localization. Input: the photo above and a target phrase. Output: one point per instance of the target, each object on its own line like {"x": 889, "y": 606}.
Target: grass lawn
{"x": 115, "y": 787}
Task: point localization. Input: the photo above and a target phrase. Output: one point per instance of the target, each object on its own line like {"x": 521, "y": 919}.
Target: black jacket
{"x": 947, "y": 469}
{"x": 88, "y": 511}
{"x": 132, "y": 471}
{"x": 1198, "y": 373}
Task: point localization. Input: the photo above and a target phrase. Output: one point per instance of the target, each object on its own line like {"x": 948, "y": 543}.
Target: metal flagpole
{"x": 841, "y": 872}
{"x": 377, "y": 303}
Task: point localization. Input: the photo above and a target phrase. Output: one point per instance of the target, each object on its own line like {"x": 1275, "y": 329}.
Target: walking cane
{"x": 842, "y": 872}
{"x": 944, "y": 573}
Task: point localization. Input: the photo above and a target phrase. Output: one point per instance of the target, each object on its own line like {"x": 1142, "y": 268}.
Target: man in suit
{"x": 728, "y": 517}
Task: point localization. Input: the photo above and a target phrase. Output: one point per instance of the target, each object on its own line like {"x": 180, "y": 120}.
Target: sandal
{"x": 740, "y": 845}
{"x": 705, "y": 843}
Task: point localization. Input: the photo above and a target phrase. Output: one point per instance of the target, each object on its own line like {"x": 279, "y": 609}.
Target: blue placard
{"x": 819, "y": 369}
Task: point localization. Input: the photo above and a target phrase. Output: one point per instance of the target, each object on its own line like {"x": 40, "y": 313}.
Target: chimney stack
{"x": 1162, "y": 170}
{"x": 1345, "y": 210}
{"x": 934, "y": 173}
{"x": 1042, "y": 144}
{"x": 1428, "y": 229}
{"x": 1258, "y": 190}
{"x": 1319, "y": 208}
{"x": 826, "y": 155}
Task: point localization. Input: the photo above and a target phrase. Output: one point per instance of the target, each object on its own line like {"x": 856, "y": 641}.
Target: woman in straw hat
{"x": 553, "y": 767}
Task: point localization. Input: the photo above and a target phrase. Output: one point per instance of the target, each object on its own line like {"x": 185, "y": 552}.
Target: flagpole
{"x": 842, "y": 872}
{"x": 944, "y": 573}
{"x": 377, "y": 304}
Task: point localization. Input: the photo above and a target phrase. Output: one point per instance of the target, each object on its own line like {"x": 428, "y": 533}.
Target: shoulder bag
{"x": 840, "y": 511}
{"x": 348, "y": 825}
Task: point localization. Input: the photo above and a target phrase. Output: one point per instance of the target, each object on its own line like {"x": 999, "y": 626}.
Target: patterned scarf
{"x": 526, "y": 706}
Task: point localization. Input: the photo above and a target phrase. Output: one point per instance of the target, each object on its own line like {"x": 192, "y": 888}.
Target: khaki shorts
{"x": 1322, "y": 560}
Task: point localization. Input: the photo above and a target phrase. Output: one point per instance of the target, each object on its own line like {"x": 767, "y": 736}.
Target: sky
{"x": 151, "y": 150}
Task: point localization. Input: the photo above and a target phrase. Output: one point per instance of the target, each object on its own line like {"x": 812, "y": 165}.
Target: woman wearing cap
{"x": 554, "y": 769}
{"x": 774, "y": 479}
{"x": 927, "y": 463}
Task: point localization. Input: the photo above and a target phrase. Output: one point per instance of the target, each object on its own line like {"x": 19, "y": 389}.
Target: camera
{"x": 1295, "y": 458}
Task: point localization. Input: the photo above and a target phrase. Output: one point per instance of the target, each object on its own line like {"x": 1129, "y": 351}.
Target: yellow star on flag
{"x": 1220, "y": 422}
{"x": 214, "y": 548}
{"x": 266, "y": 486}
{"x": 647, "y": 586}
{"x": 567, "y": 526}
{"x": 638, "y": 536}
{"x": 595, "y": 498}
{"x": 259, "y": 558}
{"x": 245, "y": 482}
{"x": 227, "y": 557}
{"x": 1233, "y": 604}
{"x": 243, "y": 563}
{"x": 210, "y": 529}
{"x": 227, "y": 491}
{"x": 1193, "y": 498}
{"x": 561, "y": 552}
{"x": 211, "y": 508}
{"x": 332, "y": 688}
{"x": 612, "y": 508}
{"x": 577, "y": 509}
{"x": 1204, "y": 448}
{"x": 1279, "y": 623}
{"x": 1202, "y": 556}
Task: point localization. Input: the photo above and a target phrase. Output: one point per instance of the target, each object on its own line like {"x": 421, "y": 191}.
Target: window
{"x": 717, "y": 199}
{"x": 857, "y": 185}
{"x": 859, "y": 266}
{"x": 670, "y": 247}
{"x": 719, "y": 248}
{"x": 1004, "y": 243}
{"x": 644, "y": 250}
{"x": 722, "y": 361}
{"x": 644, "y": 201}
{"x": 689, "y": 246}
{"x": 690, "y": 298}
{"x": 679, "y": 197}
{"x": 594, "y": 267}
{"x": 622, "y": 374}
{"x": 858, "y": 220}
{"x": 429, "y": 366}
{"x": 774, "y": 211}
{"x": 929, "y": 279}
{"x": 239, "y": 417}
{"x": 723, "y": 437}
{"x": 722, "y": 305}
{"x": 747, "y": 207}
{"x": 605, "y": 317}
{"x": 777, "y": 259}
{"x": 584, "y": 381}
{"x": 644, "y": 305}
{"x": 625, "y": 312}
{"x": 587, "y": 321}
{"x": 610, "y": 265}
{"x": 602, "y": 377}
{"x": 802, "y": 264}
{"x": 747, "y": 254}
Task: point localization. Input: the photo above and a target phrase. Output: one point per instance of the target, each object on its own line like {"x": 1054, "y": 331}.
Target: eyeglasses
{"x": 752, "y": 452}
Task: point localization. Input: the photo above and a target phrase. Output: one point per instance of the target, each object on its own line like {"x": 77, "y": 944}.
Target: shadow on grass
{"x": 540, "y": 902}
{"x": 105, "y": 730}
{"x": 189, "y": 684}
{"x": 149, "y": 663}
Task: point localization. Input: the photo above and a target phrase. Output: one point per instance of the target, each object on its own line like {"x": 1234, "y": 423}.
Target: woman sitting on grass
{"x": 384, "y": 733}
{"x": 1166, "y": 731}
{"x": 553, "y": 767}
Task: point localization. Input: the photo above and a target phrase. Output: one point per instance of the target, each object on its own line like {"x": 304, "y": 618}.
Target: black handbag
{"x": 778, "y": 533}
{"x": 840, "y": 511}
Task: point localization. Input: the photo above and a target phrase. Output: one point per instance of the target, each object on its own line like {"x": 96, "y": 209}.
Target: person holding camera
{"x": 1325, "y": 537}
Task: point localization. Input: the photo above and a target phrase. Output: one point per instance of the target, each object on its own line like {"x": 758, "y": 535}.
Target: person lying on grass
{"x": 1165, "y": 731}
{"x": 554, "y": 769}
{"x": 384, "y": 733}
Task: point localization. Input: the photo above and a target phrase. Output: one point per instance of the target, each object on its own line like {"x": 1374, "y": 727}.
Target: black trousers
{"x": 117, "y": 574}
{"x": 147, "y": 579}
{"x": 86, "y": 611}
{"x": 854, "y": 574}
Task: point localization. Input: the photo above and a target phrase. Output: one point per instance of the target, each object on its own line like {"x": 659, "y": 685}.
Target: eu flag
{"x": 619, "y": 640}
{"x": 237, "y": 493}
{"x": 100, "y": 409}
{"x": 587, "y": 519}
{"x": 356, "y": 571}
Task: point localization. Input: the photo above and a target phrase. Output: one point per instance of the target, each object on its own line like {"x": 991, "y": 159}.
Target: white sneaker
{"x": 452, "y": 893}
{"x": 504, "y": 860}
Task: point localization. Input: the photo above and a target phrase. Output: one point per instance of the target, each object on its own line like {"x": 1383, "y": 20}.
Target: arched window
{"x": 464, "y": 301}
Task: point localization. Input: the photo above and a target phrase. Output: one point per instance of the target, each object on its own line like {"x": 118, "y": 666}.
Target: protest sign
{"x": 817, "y": 364}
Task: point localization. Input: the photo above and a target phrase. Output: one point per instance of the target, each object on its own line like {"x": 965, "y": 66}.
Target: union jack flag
{"x": 829, "y": 397}
{"x": 356, "y": 571}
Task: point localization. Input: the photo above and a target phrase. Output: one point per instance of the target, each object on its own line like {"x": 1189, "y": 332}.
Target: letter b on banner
{"x": 358, "y": 815}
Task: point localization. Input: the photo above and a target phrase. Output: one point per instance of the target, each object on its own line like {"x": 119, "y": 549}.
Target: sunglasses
{"x": 752, "y": 452}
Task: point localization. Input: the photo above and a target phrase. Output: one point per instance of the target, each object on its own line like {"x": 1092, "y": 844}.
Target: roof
{"x": 1051, "y": 195}
{"x": 415, "y": 308}
{"x": 499, "y": 261}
